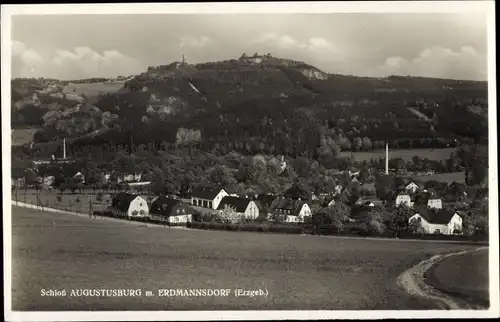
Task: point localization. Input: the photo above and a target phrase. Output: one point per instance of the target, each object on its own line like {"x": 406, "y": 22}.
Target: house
{"x": 136, "y": 177}
{"x": 291, "y": 210}
{"x": 129, "y": 205}
{"x": 429, "y": 199}
{"x": 79, "y": 177}
{"x": 412, "y": 187}
{"x": 370, "y": 202}
{"x": 207, "y": 197}
{"x": 264, "y": 202}
{"x": 434, "y": 202}
{"x": 47, "y": 180}
{"x": 355, "y": 180}
{"x": 401, "y": 183}
{"x": 243, "y": 208}
{"x": 314, "y": 197}
{"x": 297, "y": 192}
{"x": 329, "y": 201}
{"x": 171, "y": 211}
{"x": 403, "y": 199}
{"x": 282, "y": 164}
{"x": 18, "y": 177}
{"x": 442, "y": 221}
{"x": 338, "y": 189}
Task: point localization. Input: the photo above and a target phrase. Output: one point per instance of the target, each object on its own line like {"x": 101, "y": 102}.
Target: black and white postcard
{"x": 249, "y": 161}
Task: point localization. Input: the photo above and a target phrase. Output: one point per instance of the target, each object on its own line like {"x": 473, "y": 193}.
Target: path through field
{"x": 53, "y": 251}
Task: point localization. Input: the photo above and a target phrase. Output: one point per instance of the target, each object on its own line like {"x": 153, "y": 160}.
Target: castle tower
{"x": 184, "y": 62}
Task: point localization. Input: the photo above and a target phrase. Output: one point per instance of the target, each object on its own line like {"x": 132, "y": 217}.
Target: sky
{"x": 363, "y": 44}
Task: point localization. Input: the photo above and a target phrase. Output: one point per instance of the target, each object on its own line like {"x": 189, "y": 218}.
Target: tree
{"x": 400, "y": 218}
{"x": 30, "y": 177}
{"x": 357, "y": 143}
{"x": 366, "y": 144}
{"x": 415, "y": 227}
{"x": 226, "y": 215}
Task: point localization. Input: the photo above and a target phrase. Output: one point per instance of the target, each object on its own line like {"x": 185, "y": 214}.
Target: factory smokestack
{"x": 387, "y": 158}
{"x": 64, "y": 148}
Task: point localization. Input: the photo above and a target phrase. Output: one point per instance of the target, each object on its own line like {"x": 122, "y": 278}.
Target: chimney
{"x": 64, "y": 148}
{"x": 387, "y": 158}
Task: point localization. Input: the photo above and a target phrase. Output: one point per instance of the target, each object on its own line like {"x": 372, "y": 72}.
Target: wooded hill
{"x": 275, "y": 106}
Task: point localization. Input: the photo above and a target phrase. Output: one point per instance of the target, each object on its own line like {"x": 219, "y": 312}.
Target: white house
{"x": 132, "y": 177}
{"x": 243, "y": 208}
{"x": 291, "y": 210}
{"x": 412, "y": 187}
{"x": 79, "y": 177}
{"x": 129, "y": 205}
{"x": 338, "y": 189}
{"x": 441, "y": 222}
{"x": 207, "y": 197}
{"x": 435, "y": 202}
{"x": 171, "y": 211}
{"x": 403, "y": 199}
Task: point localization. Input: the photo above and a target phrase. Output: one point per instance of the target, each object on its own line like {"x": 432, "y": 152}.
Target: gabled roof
{"x": 122, "y": 200}
{"x": 164, "y": 206}
{"x": 206, "y": 192}
{"x": 441, "y": 217}
{"x": 239, "y": 204}
{"x": 294, "y": 206}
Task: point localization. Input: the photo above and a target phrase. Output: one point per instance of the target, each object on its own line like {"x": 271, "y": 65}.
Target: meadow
{"x": 60, "y": 251}
{"x": 450, "y": 177}
{"x": 405, "y": 154}
{"x": 93, "y": 89}
{"x": 455, "y": 276}
{"x": 22, "y": 136}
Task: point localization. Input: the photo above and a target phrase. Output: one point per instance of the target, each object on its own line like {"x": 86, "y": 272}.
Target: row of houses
{"x": 210, "y": 200}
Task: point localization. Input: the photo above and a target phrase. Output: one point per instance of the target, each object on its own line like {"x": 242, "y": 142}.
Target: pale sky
{"x": 373, "y": 44}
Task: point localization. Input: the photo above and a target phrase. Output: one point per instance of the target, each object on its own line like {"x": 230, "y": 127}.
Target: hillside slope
{"x": 268, "y": 104}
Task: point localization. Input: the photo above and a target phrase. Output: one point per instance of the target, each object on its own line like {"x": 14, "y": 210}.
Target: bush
{"x": 253, "y": 226}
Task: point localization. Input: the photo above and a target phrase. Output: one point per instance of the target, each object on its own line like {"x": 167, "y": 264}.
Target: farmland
{"x": 93, "y": 89}
{"x": 58, "y": 251}
{"x": 22, "y": 136}
{"x": 458, "y": 177}
{"x": 405, "y": 154}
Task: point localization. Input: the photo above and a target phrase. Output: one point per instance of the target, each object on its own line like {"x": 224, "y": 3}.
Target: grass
{"x": 465, "y": 276}
{"x": 22, "y": 136}
{"x": 58, "y": 251}
{"x": 458, "y": 177}
{"x": 93, "y": 89}
{"x": 405, "y": 154}
{"x": 68, "y": 201}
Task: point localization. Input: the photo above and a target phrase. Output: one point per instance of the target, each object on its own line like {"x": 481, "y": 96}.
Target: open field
{"x": 464, "y": 275}
{"x": 22, "y": 136}
{"x": 59, "y": 251}
{"x": 405, "y": 154}
{"x": 93, "y": 89}
{"x": 458, "y": 177}
{"x": 68, "y": 201}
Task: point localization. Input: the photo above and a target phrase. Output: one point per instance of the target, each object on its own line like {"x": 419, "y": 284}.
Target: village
{"x": 355, "y": 201}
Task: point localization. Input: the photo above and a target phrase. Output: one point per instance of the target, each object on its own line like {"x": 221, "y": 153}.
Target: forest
{"x": 271, "y": 108}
